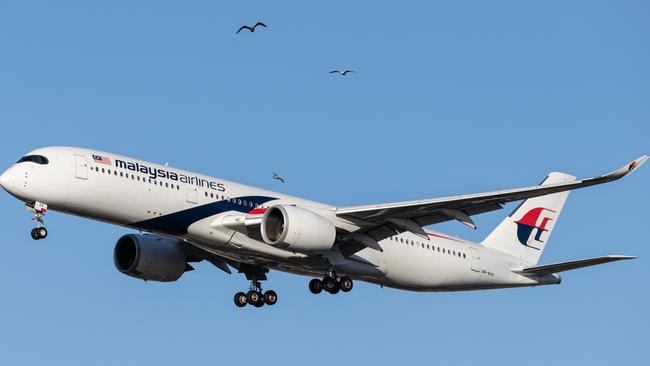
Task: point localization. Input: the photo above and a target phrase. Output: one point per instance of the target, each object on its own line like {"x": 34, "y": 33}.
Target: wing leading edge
{"x": 435, "y": 210}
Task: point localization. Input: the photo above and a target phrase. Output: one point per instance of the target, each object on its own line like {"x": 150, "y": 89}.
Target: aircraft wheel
{"x": 259, "y": 302}
{"x": 42, "y": 232}
{"x": 330, "y": 285}
{"x": 39, "y": 233}
{"x": 240, "y": 299}
{"x": 254, "y": 298}
{"x": 346, "y": 284}
{"x": 315, "y": 286}
{"x": 270, "y": 297}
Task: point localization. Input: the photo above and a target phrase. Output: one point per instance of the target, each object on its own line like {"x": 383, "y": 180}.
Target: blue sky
{"x": 449, "y": 98}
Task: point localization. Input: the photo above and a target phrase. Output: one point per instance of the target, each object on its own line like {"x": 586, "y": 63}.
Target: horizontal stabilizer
{"x": 548, "y": 269}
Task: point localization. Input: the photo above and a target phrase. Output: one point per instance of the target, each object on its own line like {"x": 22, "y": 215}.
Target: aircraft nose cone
{"x": 5, "y": 180}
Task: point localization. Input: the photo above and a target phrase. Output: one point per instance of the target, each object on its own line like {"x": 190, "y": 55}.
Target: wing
{"x": 348, "y": 71}
{"x": 261, "y": 24}
{"x": 243, "y": 27}
{"x": 383, "y": 220}
{"x": 335, "y": 72}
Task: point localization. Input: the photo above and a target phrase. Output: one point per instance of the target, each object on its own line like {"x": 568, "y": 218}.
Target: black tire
{"x": 253, "y": 297}
{"x": 241, "y": 299}
{"x": 35, "y": 234}
{"x": 346, "y": 284}
{"x": 315, "y": 286}
{"x": 270, "y": 297}
{"x": 259, "y": 302}
{"x": 336, "y": 289}
{"x": 41, "y": 232}
{"x": 330, "y": 285}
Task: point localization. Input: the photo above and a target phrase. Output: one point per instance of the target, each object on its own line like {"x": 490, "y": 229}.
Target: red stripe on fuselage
{"x": 445, "y": 237}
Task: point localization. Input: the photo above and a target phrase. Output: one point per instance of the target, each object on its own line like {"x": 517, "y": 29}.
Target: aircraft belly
{"x": 421, "y": 270}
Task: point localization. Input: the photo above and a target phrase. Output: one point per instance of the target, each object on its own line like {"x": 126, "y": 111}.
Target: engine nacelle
{"x": 297, "y": 229}
{"x": 150, "y": 257}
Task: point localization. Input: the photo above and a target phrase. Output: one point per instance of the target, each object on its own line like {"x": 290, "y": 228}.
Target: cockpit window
{"x": 38, "y": 159}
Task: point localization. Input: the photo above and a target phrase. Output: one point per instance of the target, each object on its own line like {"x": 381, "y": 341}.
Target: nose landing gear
{"x": 39, "y": 233}
{"x": 38, "y": 209}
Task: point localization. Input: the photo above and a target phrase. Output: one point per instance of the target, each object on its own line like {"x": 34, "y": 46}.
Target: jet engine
{"x": 297, "y": 229}
{"x": 150, "y": 257}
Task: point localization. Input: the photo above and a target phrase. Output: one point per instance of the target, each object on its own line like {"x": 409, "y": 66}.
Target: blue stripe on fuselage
{"x": 177, "y": 223}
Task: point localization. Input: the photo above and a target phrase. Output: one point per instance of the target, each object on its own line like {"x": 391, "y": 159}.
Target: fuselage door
{"x": 81, "y": 167}
{"x": 192, "y": 195}
{"x": 476, "y": 258}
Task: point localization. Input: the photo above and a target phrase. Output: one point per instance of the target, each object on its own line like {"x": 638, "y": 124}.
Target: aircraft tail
{"x": 525, "y": 232}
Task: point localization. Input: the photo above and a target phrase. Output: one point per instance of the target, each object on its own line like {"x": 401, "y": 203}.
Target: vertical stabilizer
{"x": 525, "y": 232}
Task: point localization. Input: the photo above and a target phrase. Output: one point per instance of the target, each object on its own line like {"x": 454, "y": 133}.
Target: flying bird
{"x": 341, "y": 72}
{"x": 277, "y": 177}
{"x": 251, "y": 29}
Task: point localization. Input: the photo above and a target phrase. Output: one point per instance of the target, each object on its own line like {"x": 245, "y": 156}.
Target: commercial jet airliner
{"x": 185, "y": 217}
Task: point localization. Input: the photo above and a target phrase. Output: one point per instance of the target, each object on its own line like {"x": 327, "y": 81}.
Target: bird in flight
{"x": 277, "y": 177}
{"x": 252, "y": 29}
{"x": 341, "y": 72}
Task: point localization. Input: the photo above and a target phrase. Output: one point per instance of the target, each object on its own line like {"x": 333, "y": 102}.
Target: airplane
{"x": 184, "y": 217}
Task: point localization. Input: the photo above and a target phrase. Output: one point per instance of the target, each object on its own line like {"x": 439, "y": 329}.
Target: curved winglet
{"x": 628, "y": 168}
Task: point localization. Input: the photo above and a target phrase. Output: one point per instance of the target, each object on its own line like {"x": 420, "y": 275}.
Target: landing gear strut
{"x": 38, "y": 209}
{"x": 255, "y": 295}
{"x": 330, "y": 284}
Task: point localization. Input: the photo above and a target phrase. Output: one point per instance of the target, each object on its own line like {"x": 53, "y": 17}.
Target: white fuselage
{"x": 171, "y": 202}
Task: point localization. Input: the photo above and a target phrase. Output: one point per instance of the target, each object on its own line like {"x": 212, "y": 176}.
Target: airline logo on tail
{"x": 528, "y": 223}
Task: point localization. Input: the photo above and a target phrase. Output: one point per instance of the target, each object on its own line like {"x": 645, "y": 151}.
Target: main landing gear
{"x": 255, "y": 295}
{"x": 38, "y": 209}
{"x": 330, "y": 284}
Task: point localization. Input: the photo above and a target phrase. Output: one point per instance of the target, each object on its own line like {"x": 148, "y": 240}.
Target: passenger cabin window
{"x": 38, "y": 159}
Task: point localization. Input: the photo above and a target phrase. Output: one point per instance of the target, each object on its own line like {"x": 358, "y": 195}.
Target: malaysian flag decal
{"x": 101, "y": 159}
